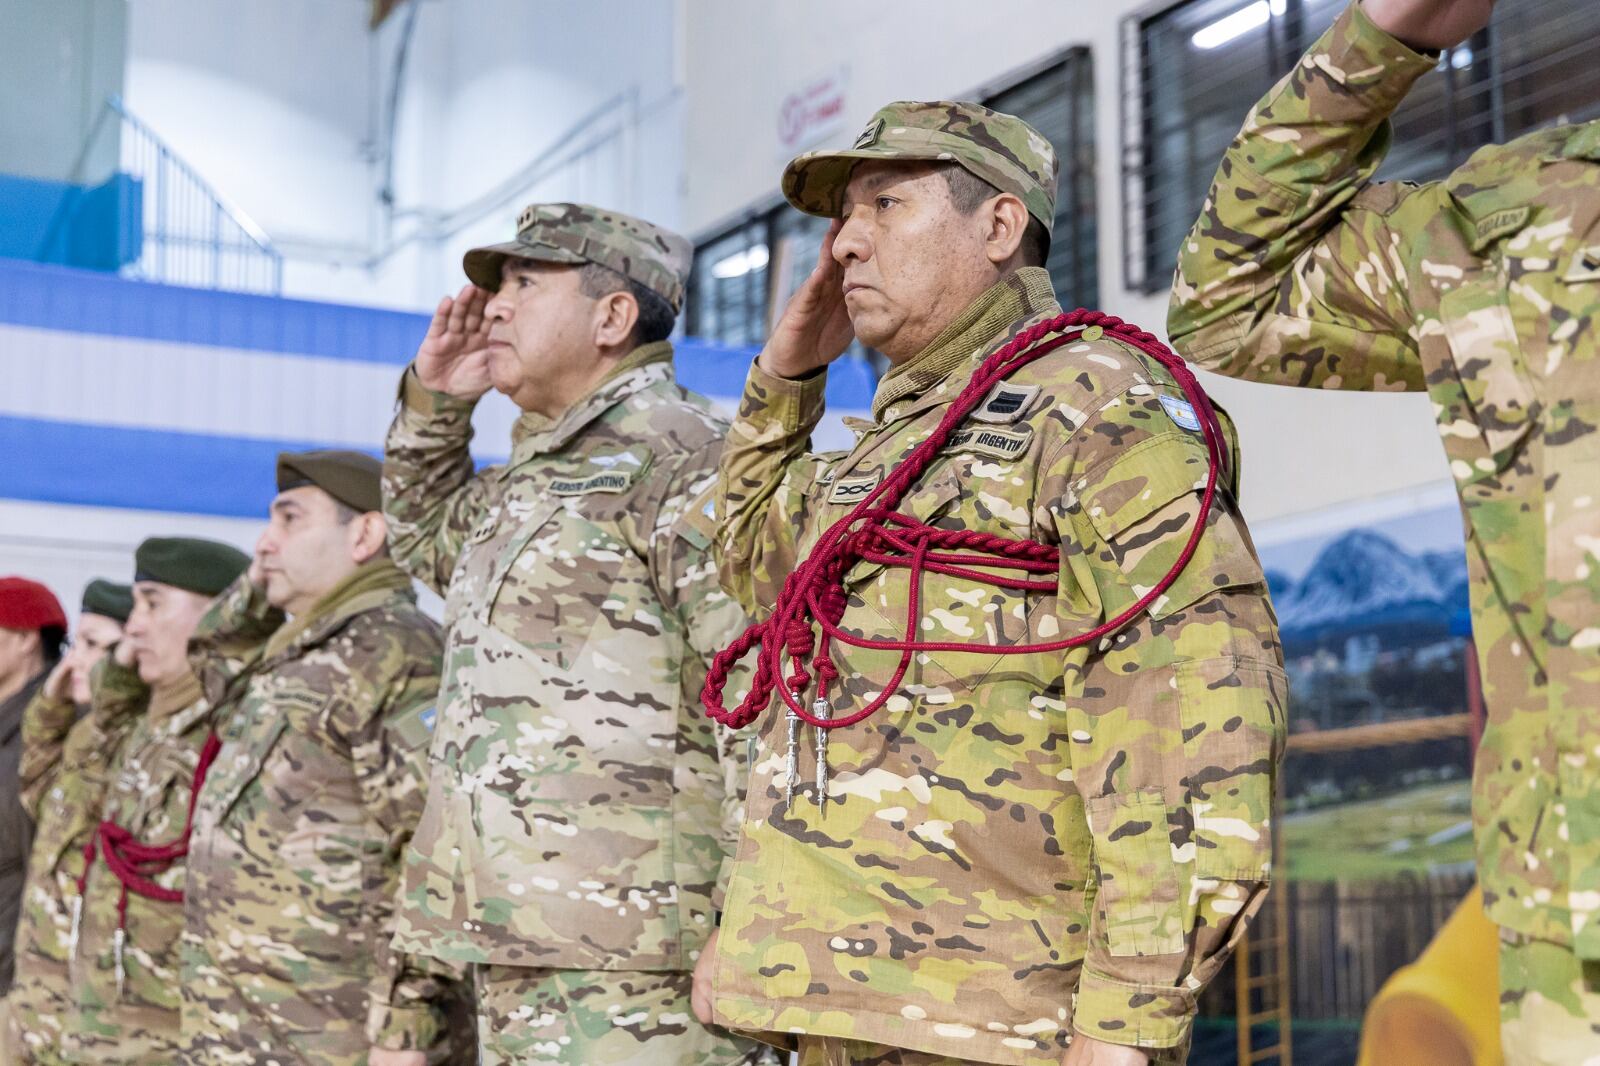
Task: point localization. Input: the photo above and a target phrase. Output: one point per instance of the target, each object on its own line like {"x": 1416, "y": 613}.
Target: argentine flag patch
{"x": 1181, "y": 412}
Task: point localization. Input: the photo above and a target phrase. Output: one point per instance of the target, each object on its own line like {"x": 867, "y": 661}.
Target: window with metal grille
{"x": 1191, "y": 72}
{"x": 744, "y": 275}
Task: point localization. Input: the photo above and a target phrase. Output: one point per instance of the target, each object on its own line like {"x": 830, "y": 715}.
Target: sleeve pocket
{"x": 1141, "y": 912}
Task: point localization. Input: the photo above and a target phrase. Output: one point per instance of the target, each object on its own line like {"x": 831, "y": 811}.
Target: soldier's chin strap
{"x": 874, "y": 531}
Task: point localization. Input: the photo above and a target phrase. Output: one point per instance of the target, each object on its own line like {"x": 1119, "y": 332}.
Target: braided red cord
{"x": 135, "y": 864}
{"x": 874, "y": 531}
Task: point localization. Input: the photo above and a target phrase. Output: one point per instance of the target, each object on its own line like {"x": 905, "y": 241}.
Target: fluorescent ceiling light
{"x": 1241, "y": 22}
{"x": 739, "y": 264}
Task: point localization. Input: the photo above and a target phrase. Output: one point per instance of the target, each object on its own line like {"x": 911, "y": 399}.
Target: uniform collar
{"x": 372, "y": 584}
{"x": 535, "y": 435}
{"x": 185, "y": 692}
{"x": 1584, "y": 143}
{"x": 1019, "y": 296}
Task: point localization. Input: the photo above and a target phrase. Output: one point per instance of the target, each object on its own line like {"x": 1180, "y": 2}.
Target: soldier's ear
{"x": 369, "y": 536}
{"x": 1007, "y": 219}
{"x": 615, "y": 315}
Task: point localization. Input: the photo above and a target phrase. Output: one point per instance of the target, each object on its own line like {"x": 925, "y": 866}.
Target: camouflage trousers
{"x": 530, "y": 1016}
{"x": 1549, "y": 1005}
{"x": 832, "y": 1051}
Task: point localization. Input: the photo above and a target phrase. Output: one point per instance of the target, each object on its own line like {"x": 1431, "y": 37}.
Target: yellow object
{"x": 1443, "y": 1009}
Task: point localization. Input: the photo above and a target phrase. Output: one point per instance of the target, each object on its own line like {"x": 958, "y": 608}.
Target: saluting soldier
{"x": 127, "y": 913}
{"x": 1483, "y": 290}
{"x": 294, "y": 859}
{"x": 578, "y": 800}
{"x": 1022, "y": 855}
{"x": 68, "y": 737}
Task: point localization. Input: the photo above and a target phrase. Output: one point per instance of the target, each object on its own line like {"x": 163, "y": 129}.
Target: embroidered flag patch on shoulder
{"x": 1181, "y": 412}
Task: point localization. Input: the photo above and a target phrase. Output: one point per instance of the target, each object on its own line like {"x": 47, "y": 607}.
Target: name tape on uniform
{"x": 996, "y": 443}
{"x": 610, "y": 481}
{"x": 853, "y": 489}
{"x": 1005, "y": 404}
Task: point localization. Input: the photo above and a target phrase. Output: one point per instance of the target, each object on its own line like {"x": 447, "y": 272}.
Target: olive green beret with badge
{"x": 352, "y": 478}
{"x": 190, "y": 563}
{"x": 108, "y": 599}
{"x": 1001, "y": 149}
{"x": 641, "y": 251}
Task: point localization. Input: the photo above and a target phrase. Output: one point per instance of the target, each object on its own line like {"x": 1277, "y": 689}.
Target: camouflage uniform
{"x": 1017, "y": 846}
{"x": 294, "y": 861}
{"x": 577, "y": 804}
{"x": 148, "y": 794}
{"x": 65, "y": 763}
{"x": 1484, "y": 290}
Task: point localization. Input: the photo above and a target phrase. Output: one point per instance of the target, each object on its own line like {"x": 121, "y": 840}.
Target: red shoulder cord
{"x": 135, "y": 864}
{"x": 873, "y": 531}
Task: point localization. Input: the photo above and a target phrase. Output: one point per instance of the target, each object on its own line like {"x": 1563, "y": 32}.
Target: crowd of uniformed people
{"x": 957, "y": 746}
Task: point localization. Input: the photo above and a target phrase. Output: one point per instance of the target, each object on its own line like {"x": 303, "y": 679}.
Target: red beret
{"x": 27, "y": 604}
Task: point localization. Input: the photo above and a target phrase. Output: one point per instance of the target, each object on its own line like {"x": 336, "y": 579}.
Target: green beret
{"x": 352, "y": 478}
{"x": 203, "y": 566}
{"x": 108, "y": 598}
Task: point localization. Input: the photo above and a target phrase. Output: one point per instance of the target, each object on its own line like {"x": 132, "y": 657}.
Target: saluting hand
{"x": 58, "y": 686}
{"x": 454, "y": 356}
{"x": 1429, "y": 25}
{"x": 815, "y": 328}
{"x": 384, "y": 1057}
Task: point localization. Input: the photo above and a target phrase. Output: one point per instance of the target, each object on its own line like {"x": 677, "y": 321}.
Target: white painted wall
{"x": 281, "y": 107}
{"x": 1302, "y": 451}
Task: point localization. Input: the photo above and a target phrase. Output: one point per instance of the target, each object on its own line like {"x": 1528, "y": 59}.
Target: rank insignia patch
{"x": 853, "y": 489}
{"x": 1006, "y": 403}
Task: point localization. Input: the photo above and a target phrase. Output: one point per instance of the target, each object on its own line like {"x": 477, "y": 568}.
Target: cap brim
{"x": 483, "y": 265}
{"x": 815, "y": 182}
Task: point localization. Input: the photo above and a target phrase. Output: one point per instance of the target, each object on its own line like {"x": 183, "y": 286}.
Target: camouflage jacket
{"x": 578, "y": 804}
{"x": 1484, "y": 290}
{"x": 131, "y": 1017}
{"x": 1017, "y": 845}
{"x": 65, "y": 763}
{"x": 294, "y": 861}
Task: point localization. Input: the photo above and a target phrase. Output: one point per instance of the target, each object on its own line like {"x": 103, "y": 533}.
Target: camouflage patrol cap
{"x": 352, "y": 478}
{"x": 1001, "y": 149}
{"x": 641, "y": 251}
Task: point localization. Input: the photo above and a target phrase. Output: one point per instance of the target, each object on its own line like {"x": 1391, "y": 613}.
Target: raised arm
{"x": 1298, "y": 270}
{"x": 431, "y": 496}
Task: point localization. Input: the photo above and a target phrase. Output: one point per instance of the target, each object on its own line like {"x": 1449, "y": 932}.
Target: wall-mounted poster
{"x": 1376, "y": 803}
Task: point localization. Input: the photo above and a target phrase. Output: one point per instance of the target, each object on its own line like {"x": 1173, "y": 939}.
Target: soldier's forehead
{"x": 874, "y": 175}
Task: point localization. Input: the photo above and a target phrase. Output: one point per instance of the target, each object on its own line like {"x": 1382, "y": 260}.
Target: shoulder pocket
{"x": 1144, "y": 507}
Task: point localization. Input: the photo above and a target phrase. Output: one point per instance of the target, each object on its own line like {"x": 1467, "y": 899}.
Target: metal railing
{"x": 191, "y": 234}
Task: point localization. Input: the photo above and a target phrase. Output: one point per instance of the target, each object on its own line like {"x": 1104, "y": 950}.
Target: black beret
{"x": 203, "y": 566}
{"x": 352, "y": 478}
{"x": 108, "y": 598}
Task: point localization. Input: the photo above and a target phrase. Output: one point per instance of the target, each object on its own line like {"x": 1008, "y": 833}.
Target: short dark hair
{"x": 52, "y": 639}
{"x": 656, "y": 316}
{"x": 968, "y": 191}
{"x": 344, "y": 514}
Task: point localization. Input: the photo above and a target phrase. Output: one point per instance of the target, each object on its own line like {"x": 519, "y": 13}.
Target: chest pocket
{"x": 238, "y": 768}
{"x": 162, "y": 807}
{"x": 952, "y": 609}
{"x": 1497, "y": 407}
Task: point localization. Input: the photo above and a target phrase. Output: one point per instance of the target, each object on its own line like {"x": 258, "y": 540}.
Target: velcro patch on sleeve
{"x": 996, "y": 443}
{"x": 414, "y": 728}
